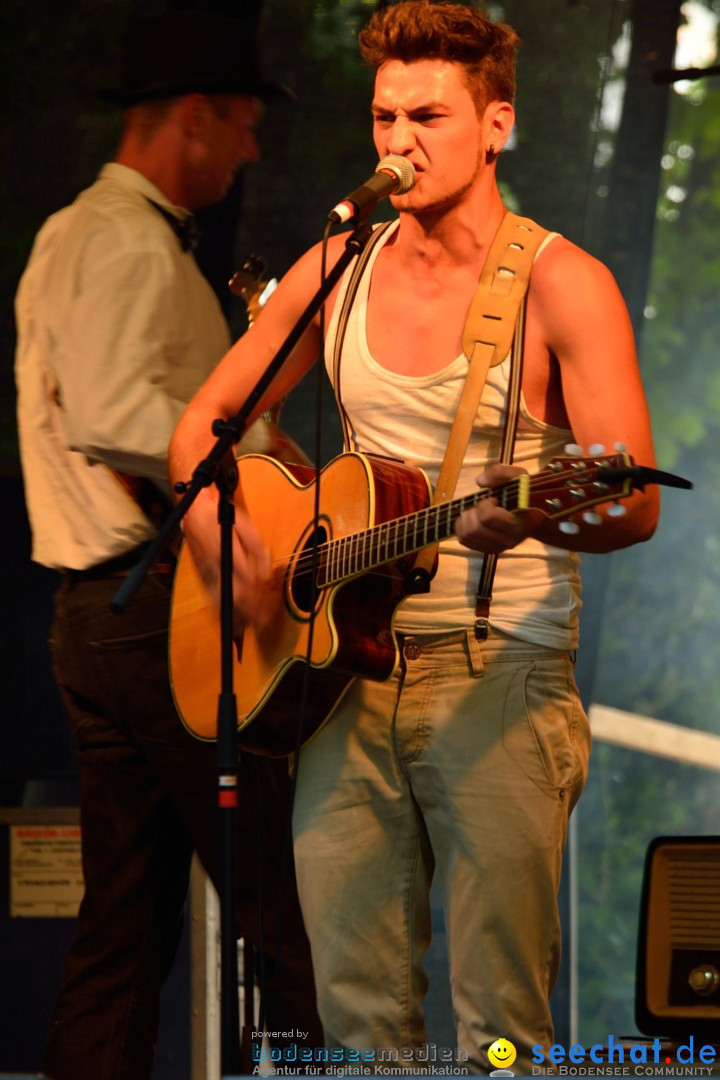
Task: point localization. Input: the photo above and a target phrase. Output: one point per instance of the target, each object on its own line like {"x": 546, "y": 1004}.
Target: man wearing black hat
{"x": 116, "y": 330}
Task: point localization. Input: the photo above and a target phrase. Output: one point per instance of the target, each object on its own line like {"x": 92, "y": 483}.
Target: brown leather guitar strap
{"x": 494, "y": 322}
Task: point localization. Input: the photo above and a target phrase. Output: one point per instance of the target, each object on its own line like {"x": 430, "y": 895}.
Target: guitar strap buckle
{"x": 482, "y": 629}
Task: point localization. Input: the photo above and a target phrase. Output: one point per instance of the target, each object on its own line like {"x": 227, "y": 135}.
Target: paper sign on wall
{"x": 46, "y": 878}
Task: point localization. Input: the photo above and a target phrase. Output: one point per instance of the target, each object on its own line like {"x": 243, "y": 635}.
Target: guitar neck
{"x": 357, "y": 553}
{"x": 567, "y": 486}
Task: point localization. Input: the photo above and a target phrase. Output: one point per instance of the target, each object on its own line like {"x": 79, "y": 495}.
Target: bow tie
{"x": 186, "y": 229}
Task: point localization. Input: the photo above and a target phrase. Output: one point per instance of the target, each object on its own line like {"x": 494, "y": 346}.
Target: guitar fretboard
{"x": 357, "y": 553}
{"x": 564, "y": 487}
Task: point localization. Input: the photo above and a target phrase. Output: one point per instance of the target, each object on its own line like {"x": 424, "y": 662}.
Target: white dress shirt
{"x": 117, "y": 328}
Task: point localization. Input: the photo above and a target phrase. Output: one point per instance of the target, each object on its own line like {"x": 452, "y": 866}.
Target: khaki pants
{"x": 468, "y": 762}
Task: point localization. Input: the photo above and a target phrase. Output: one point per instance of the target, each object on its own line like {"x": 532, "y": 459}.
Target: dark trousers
{"x": 148, "y": 799}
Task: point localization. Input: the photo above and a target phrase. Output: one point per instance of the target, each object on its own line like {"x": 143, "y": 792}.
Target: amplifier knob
{"x": 704, "y": 979}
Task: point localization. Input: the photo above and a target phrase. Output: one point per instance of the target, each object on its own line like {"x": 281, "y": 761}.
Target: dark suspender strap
{"x": 512, "y": 413}
{"x": 343, "y": 318}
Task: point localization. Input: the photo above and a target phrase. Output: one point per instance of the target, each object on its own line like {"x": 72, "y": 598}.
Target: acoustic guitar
{"x": 337, "y": 580}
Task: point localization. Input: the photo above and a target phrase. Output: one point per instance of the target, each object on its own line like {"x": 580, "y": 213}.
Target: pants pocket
{"x": 545, "y": 729}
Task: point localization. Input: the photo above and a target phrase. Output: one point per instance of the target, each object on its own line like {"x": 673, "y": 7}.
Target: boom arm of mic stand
{"x": 219, "y": 468}
{"x": 673, "y": 75}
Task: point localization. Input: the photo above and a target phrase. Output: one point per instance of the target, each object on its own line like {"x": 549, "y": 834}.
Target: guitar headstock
{"x": 573, "y": 484}
{"x": 251, "y": 284}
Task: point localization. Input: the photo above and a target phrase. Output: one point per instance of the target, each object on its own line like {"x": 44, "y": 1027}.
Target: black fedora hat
{"x": 181, "y": 52}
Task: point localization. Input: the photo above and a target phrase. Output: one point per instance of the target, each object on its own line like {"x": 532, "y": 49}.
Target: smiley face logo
{"x": 502, "y": 1053}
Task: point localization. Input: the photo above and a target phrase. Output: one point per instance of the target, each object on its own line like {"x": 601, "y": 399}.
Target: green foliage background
{"x": 661, "y": 624}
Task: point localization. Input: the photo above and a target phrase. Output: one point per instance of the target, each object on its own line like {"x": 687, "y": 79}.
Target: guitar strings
{"x": 360, "y": 539}
{"x": 361, "y": 544}
{"x": 455, "y": 506}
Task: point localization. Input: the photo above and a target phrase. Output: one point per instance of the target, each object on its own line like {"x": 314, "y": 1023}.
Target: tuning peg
{"x": 621, "y": 447}
{"x": 570, "y": 528}
{"x": 617, "y": 510}
{"x": 596, "y": 449}
{"x": 573, "y": 450}
{"x": 592, "y": 518}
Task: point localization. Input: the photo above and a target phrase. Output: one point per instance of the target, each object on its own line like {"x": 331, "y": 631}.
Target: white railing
{"x": 657, "y": 737}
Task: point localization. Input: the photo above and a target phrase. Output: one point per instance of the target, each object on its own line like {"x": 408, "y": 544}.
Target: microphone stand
{"x": 219, "y": 468}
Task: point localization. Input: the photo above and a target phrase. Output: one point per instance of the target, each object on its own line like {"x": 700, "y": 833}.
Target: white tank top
{"x": 536, "y": 592}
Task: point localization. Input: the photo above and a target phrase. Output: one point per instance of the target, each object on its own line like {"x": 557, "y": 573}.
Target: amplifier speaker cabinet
{"x": 678, "y": 962}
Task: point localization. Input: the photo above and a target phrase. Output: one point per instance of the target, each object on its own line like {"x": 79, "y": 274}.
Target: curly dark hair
{"x": 428, "y": 30}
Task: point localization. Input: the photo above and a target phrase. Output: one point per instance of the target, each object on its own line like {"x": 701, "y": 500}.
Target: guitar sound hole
{"x": 304, "y": 596}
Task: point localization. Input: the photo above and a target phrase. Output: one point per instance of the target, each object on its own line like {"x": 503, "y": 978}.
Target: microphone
{"x": 393, "y": 175}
